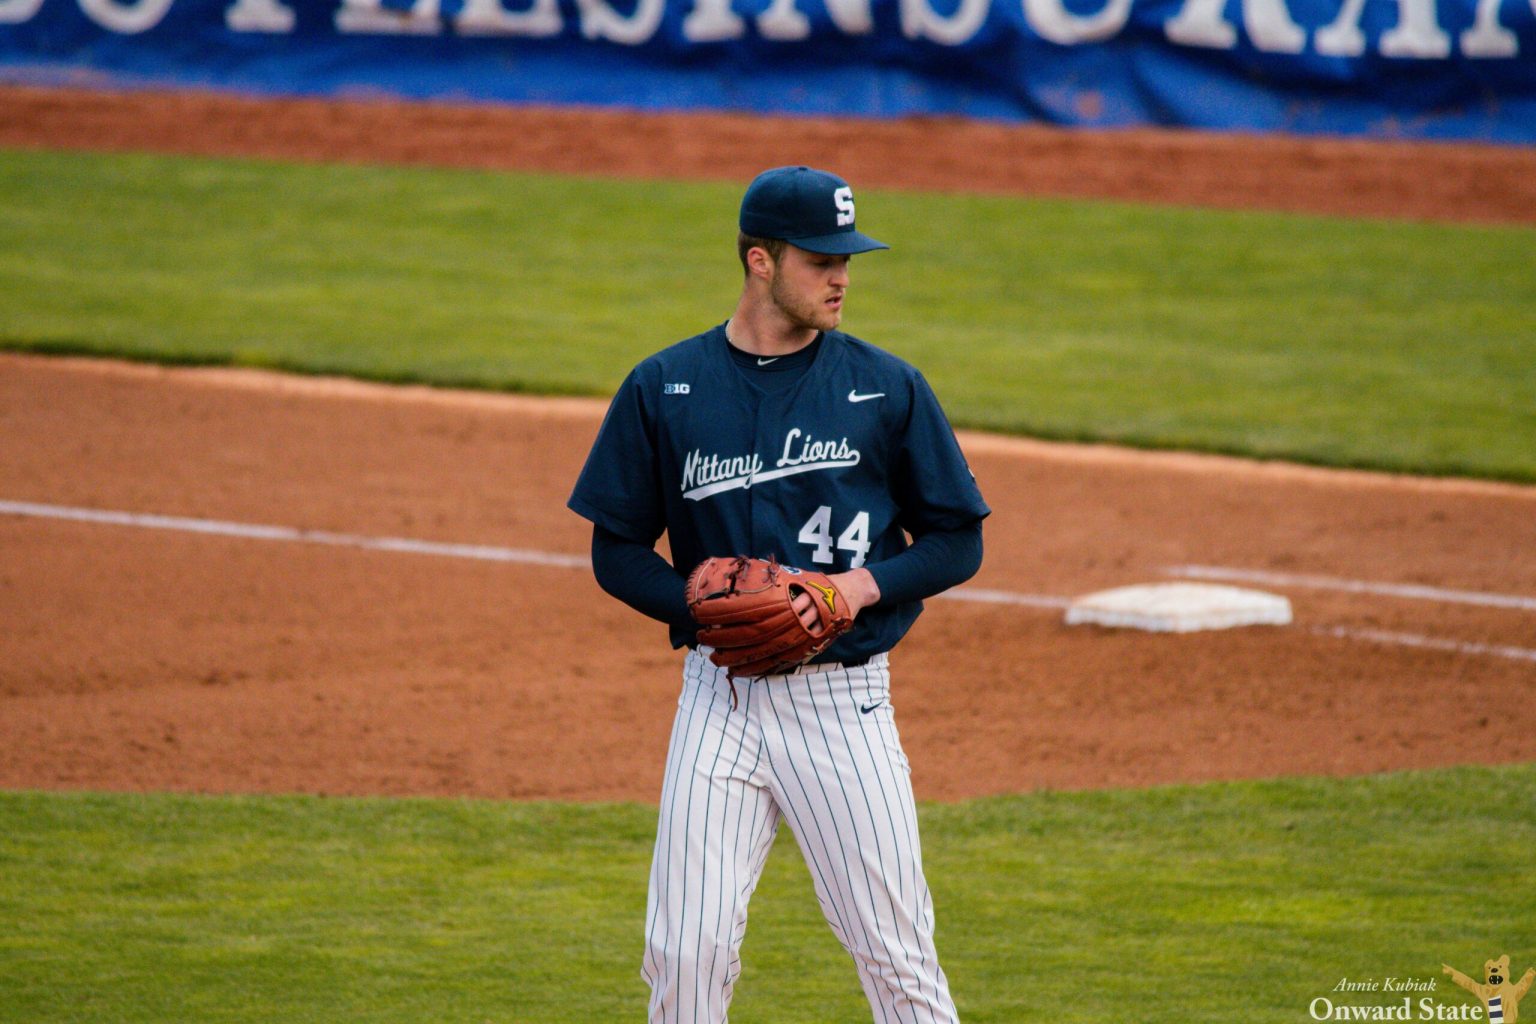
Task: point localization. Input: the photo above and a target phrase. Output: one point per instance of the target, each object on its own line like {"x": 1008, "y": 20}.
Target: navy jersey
{"x": 826, "y": 474}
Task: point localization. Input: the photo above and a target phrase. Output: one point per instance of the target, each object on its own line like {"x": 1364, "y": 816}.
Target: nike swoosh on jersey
{"x": 854, "y": 396}
{"x": 866, "y": 709}
{"x": 765, "y": 362}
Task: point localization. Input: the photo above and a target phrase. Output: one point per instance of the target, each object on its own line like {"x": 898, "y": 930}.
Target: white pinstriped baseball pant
{"x": 818, "y": 748}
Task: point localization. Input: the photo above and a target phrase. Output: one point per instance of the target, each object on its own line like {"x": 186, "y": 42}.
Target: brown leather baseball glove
{"x": 747, "y": 608}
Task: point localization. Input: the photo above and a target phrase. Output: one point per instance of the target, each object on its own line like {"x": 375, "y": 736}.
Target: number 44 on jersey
{"x": 817, "y": 532}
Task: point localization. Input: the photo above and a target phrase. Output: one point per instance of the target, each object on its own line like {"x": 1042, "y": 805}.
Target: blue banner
{"x": 1429, "y": 69}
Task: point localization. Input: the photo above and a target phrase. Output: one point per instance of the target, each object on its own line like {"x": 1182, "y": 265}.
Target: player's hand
{"x": 858, "y": 588}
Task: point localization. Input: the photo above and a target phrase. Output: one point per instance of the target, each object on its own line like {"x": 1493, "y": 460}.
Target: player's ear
{"x": 759, "y": 262}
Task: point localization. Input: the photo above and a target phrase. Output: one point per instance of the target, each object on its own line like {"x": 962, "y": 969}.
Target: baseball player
{"x": 776, "y": 435}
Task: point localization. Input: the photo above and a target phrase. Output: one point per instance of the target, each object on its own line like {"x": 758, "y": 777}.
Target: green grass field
{"x": 1394, "y": 345}
{"x": 1240, "y": 901}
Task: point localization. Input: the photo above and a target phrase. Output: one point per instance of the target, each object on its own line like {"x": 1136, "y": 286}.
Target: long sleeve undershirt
{"x": 637, "y": 575}
{"x": 935, "y": 562}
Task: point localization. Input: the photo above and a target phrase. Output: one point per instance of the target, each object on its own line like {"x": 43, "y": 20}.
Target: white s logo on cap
{"x": 843, "y": 197}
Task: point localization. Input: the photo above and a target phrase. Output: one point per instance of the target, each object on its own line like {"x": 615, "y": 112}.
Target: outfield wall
{"x": 1449, "y": 69}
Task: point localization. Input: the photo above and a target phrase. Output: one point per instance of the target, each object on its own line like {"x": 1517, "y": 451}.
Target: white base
{"x": 1180, "y": 608}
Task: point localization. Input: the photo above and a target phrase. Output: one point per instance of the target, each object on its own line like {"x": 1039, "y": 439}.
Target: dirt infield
{"x": 1425, "y": 181}
{"x": 208, "y": 657}
{"x": 163, "y": 658}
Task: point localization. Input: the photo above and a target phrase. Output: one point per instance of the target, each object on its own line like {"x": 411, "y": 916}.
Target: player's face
{"x": 808, "y": 288}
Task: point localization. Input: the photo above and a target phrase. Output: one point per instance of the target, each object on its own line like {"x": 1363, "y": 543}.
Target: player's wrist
{"x": 858, "y": 587}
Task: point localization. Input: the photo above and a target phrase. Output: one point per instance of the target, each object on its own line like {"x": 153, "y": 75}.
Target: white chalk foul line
{"x": 1408, "y": 590}
{"x": 981, "y": 595}
{"x": 1381, "y": 636}
{"x": 490, "y": 553}
{"x": 256, "y": 531}
{"x": 482, "y": 552}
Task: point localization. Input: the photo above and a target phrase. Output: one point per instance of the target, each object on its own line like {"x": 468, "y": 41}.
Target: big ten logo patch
{"x": 674, "y": 389}
{"x": 1501, "y": 998}
{"x": 843, "y": 197}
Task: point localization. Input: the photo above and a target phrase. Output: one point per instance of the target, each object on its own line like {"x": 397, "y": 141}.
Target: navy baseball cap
{"x": 807, "y": 208}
